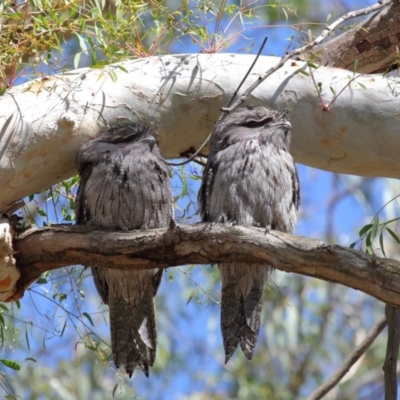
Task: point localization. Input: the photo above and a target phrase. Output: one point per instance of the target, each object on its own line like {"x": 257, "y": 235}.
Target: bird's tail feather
{"x": 132, "y": 319}
{"x": 241, "y": 301}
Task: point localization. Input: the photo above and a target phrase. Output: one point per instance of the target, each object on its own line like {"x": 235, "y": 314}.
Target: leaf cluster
{"x": 45, "y": 36}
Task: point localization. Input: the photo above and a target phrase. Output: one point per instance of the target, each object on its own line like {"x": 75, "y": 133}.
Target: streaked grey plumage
{"x": 249, "y": 179}
{"x": 124, "y": 185}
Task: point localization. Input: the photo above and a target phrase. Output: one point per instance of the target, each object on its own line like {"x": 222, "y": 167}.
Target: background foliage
{"x": 55, "y": 341}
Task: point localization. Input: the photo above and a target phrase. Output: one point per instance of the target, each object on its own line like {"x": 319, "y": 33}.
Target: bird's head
{"x": 126, "y": 133}
{"x": 119, "y": 138}
{"x": 251, "y": 121}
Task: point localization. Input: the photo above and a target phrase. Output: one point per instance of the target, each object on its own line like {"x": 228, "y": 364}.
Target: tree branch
{"x": 39, "y": 250}
{"x": 349, "y": 362}
{"x": 43, "y": 123}
{"x": 307, "y": 48}
{"x": 373, "y": 42}
{"x": 392, "y": 352}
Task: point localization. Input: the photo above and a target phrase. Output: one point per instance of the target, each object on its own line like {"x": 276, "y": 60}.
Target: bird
{"x": 249, "y": 179}
{"x": 124, "y": 185}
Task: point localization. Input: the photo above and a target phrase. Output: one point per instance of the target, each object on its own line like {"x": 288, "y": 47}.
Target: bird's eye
{"x": 252, "y": 123}
{"x": 125, "y": 138}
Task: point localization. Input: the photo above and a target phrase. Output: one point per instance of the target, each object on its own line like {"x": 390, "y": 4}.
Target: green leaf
{"x": 85, "y": 314}
{"x": 100, "y": 5}
{"x": 370, "y": 250}
{"x": 63, "y": 329}
{"x": 381, "y": 243}
{"x": 303, "y": 72}
{"x": 27, "y": 339}
{"x": 3, "y": 307}
{"x": 82, "y": 42}
{"x": 190, "y": 297}
{"x": 365, "y": 229}
{"x": 361, "y": 85}
{"x": 41, "y": 281}
{"x": 352, "y": 245}
{"x": 113, "y": 75}
{"x": 286, "y": 14}
{"x": 43, "y": 20}
{"x": 115, "y": 389}
{"x": 92, "y": 51}
{"x": 63, "y": 296}
{"x": 375, "y": 227}
{"x": 77, "y": 58}
{"x": 368, "y": 243}
{"x": 356, "y": 64}
{"x": 41, "y": 212}
{"x": 11, "y": 364}
{"x": 184, "y": 181}
{"x": 122, "y": 68}
{"x": 393, "y": 235}
{"x": 30, "y": 359}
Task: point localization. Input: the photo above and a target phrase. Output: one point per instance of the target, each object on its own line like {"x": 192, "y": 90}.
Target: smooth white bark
{"x": 43, "y": 123}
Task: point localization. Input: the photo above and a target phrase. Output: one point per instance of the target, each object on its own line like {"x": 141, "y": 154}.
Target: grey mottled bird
{"x": 124, "y": 185}
{"x": 250, "y": 179}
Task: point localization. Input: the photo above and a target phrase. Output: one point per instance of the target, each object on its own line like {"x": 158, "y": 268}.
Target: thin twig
{"x": 248, "y": 72}
{"x": 307, "y": 47}
{"x": 222, "y": 109}
{"x": 192, "y": 157}
{"x": 349, "y": 362}
{"x": 392, "y": 352}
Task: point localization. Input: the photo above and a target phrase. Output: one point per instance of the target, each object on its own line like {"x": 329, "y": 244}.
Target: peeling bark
{"x": 9, "y": 273}
{"x": 374, "y": 43}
